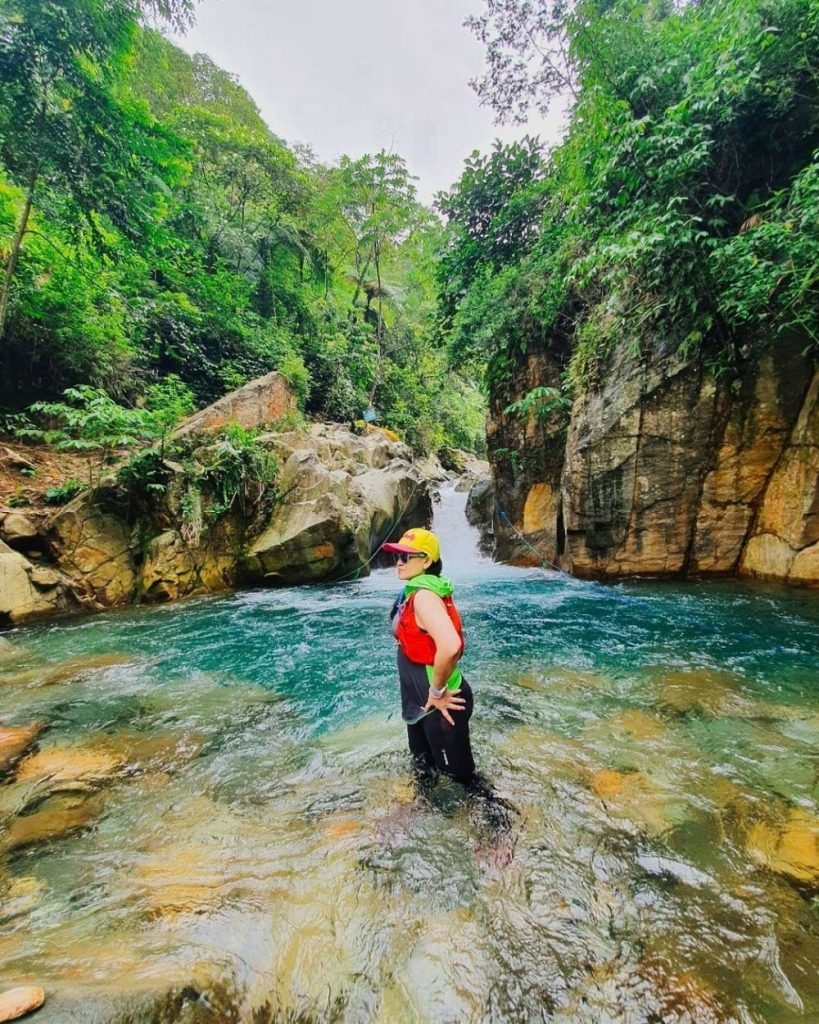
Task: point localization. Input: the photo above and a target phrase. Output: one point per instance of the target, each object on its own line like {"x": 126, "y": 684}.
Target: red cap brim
{"x": 400, "y": 549}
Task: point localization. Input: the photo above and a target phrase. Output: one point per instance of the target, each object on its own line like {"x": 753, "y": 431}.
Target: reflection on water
{"x": 217, "y": 820}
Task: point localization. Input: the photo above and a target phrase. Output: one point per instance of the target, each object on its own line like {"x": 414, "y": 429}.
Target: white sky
{"x": 353, "y": 76}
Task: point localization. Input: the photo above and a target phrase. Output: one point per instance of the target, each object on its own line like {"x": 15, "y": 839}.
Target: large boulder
{"x": 175, "y": 565}
{"x": 17, "y": 530}
{"x": 256, "y": 404}
{"x": 92, "y": 542}
{"x": 337, "y": 510}
{"x": 28, "y": 591}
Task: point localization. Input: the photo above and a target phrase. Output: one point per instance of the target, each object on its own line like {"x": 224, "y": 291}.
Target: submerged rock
{"x": 65, "y": 671}
{"x": 635, "y": 797}
{"x": 17, "y": 1002}
{"x": 789, "y": 847}
{"x": 184, "y": 879}
{"x": 607, "y": 782}
{"x": 9, "y": 652}
{"x": 709, "y": 691}
{"x": 56, "y": 817}
{"x": 77, "y": 766}
{"x": 15, "y": 741}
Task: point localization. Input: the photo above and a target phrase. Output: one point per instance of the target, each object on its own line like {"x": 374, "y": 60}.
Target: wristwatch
{"x": 437, "y": 694}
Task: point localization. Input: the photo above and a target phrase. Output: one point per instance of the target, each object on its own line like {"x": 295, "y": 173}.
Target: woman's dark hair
{"x": 435, "y": 569}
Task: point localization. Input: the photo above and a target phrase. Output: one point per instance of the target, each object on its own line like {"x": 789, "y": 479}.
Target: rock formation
{"x": 662, "y": 471}
{"x": 337, "y": 498}
{"x": 340, "y": 508}
{"x": 29, "y": 591}
{"x": 256, "y": 404}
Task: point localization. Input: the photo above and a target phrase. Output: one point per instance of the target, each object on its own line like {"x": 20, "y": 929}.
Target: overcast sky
{"x": 353, "y": 76}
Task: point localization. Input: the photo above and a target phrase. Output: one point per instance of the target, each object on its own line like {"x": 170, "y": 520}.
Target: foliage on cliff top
{"x": 151, "y": 224}
{"x": 683, "y": 204}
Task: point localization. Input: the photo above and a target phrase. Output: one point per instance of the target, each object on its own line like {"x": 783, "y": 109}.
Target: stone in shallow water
{"x": 607, "y": 783}
{"x": 51, "y": 674}
{"x": 189, "y": 879}
{"x": 20, "y": 896}
{"x": 69, "y": 765}
{"x": 637, "y": 725}
{"x": 791, "y": 848}
{"x": 681, "y": 997}
{"x": 19, "y": 1001}
{"x": 14, "y": 742}
{"x": 74, "y": 667}
{"x": 8, "y": 651}
{"x": 640, "y": 799}
{"x": 60, "y": 815}
{"x": 709, "y": 691}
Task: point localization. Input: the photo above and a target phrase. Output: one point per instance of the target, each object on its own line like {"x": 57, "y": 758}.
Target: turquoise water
{"x": 250, "y": 830}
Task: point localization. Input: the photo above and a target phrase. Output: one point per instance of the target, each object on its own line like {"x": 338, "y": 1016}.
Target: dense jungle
{"x": 231, "y": 370}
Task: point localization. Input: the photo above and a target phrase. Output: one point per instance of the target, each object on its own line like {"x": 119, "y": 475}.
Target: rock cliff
{"x": 661, "y": 470}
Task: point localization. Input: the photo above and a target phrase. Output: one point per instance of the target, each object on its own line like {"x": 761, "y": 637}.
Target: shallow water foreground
{"x": 219, "y": 824}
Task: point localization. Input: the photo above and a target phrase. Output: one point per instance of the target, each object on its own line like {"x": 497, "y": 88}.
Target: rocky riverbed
{"x": 207, "y": 811}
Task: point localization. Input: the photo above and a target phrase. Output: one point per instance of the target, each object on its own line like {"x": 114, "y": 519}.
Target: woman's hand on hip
{"x": 451, "y": 701}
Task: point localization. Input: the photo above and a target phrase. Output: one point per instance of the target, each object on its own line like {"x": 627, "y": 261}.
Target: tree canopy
{"x": 680, "y": 212}
{"x": 152, "y": 225}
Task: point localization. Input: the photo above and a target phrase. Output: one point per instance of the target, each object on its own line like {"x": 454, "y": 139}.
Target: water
{"x": 221, "y": 807}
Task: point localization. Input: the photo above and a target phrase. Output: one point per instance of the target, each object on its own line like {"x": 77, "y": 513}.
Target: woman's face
{"x": 413, "y": 566}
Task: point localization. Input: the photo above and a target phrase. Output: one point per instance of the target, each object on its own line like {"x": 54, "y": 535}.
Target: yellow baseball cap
{"x": 417, "y": 542}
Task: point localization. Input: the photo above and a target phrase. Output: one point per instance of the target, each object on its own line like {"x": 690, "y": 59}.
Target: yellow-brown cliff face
{"x": 663, "y": 470}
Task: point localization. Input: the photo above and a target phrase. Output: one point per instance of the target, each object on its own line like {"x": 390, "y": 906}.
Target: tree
{"x": 528, "y": 54}
{"x": 494, "y": 211}
{"x": 62, "y": 122}
{"x": 679, "y": 205}
{"x": 380, "y": 206}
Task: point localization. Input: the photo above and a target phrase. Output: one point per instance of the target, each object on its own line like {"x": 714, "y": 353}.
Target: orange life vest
{"x": 415, "y": 643}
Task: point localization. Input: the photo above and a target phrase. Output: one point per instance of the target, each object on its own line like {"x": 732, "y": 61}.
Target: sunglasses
{"x": 402, "y": 557}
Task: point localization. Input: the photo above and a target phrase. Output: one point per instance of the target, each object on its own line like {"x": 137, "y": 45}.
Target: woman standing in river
{"x": 436, "y": 701}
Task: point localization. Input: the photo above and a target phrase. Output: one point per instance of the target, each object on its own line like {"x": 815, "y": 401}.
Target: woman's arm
{"x": 431, "y": 615}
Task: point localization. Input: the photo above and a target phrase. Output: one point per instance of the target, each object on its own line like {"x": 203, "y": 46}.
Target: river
{"x": 219, "y": 822}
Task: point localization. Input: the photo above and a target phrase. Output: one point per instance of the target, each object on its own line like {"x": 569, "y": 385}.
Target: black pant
{"x": 435, "y": 744}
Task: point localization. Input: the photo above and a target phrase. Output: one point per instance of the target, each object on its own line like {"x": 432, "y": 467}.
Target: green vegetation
{"x": 153, "y": 229}
{"x": 90, "y": 421}
{"x": 231, "y": 470}
{"x": 160, "y": 245}
{"x": 681, "y": 212}
{"x": 62, "y": 493}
